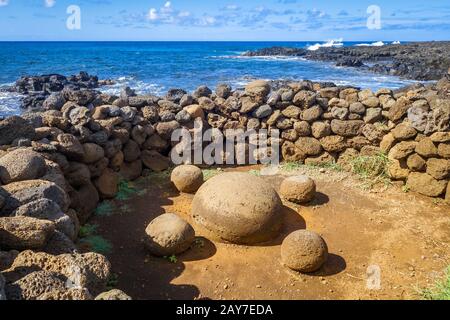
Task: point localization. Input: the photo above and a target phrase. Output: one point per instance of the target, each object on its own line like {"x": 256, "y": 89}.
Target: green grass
{"x": 440, "y": 290}
{"x": 87, "y": 230}
{"x": 106, "y": 208}
{"x": 291, "y": 166}
{"x": 126, "y": 209}
{"x": 328, "y": 165}
{"x": 160, "y": 176}
{"x": 209, "y": 173}
{"x": 97, "y": 244}
{"x": 125, "y": 191}
{"x": 372, "y": 169}
{"x": 255, "y": 172}
{"x": 172, "y": 259}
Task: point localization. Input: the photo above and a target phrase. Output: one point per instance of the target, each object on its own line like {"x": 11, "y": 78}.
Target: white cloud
{"x": 210, "y": 20}
{"x": 152, "y": 14}
{"x": 184, "y": 14}
{"x": 232, "y": 7}
{"x": 4, "y": 3}
{"x": 50, "y": 3}
{"x": 166, "y": 14}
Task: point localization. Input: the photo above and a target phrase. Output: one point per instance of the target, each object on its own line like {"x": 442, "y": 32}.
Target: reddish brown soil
{"x": 405, "y": 234}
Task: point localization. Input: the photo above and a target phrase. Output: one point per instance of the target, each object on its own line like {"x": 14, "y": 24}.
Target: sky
{"x": 224, "y": 20}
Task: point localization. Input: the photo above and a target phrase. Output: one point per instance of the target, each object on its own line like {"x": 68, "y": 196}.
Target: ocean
{"x": 154, "y": 67}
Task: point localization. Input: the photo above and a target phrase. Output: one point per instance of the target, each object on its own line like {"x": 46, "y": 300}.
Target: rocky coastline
{"x": 57, "y": 164}
{"x": 421, "y": 61}
{"x": 39, "y": 91}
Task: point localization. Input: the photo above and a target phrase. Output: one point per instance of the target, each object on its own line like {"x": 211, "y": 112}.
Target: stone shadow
{"x": 201, "y": 249}
{"x": 291, "y": 221}
{"x": 319, "y": 200}
{"x": 335, "y": 264}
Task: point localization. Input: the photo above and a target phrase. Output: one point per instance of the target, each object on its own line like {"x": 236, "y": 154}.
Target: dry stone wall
{"x": 58, "y": 164}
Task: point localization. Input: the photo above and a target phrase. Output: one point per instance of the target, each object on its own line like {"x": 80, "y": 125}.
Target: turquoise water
{"x": 154, "y": 67}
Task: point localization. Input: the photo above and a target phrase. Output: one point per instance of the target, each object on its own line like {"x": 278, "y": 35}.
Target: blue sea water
{"x": 154, "y": 67}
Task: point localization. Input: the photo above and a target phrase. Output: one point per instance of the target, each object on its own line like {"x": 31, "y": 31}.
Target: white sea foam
{"x": 10, "y": 103}
{"x": 261, "y": 58}
{"x": 328, "y": 44}
{"x": 396, "y": 42}
{"x": 374, "y": 44}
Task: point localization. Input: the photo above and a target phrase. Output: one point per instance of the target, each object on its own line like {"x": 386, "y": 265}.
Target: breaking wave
{"x": 328, "y": 44}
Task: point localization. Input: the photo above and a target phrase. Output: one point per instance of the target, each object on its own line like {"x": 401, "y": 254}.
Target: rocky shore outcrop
{"x": 49, "y": 92}
{"x": 56, "y": 165}
{"x": 417, "y": 60}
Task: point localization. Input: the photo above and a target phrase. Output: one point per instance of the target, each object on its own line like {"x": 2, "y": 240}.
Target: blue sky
{"x": 282, "y": 20}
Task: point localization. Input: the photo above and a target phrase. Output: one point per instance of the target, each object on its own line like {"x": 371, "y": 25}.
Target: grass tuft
{"x": 172, "y": 259}
{"x": 87, "y": 230}
{"x": 106, "y": 208}
{"x": 328, "y": 165}
{"x": 97, "y": 244}
{"x": 256, "y": 173}
{"x": 291, "y": 166}
{"x": 372, "y": 169}
{"x": 210, "y": 173}
{"x": 440, "y": 290}
{"x": 125, "y": 191}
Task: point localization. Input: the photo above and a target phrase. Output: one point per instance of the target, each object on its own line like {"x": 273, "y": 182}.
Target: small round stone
{"x": 168, "y": 235}
{"x": 187, "y": 178}
{"x": 304, "y": 251}
{"x": 298, "y": 189}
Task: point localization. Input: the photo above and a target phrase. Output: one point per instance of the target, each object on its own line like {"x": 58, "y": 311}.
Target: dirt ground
{"x": 404, "y": 234}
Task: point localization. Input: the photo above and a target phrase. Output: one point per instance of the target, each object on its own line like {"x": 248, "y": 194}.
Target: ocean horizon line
{"x": 205, "y": 41}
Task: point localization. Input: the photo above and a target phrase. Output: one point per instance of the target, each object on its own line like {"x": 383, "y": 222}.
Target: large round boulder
{"x": 238, "y": 207}
{"x": 168, "y": 234}
{"x": 298, "y": 189}
{"x": 304, "y": 251}
{"x": 187, "y": 178}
